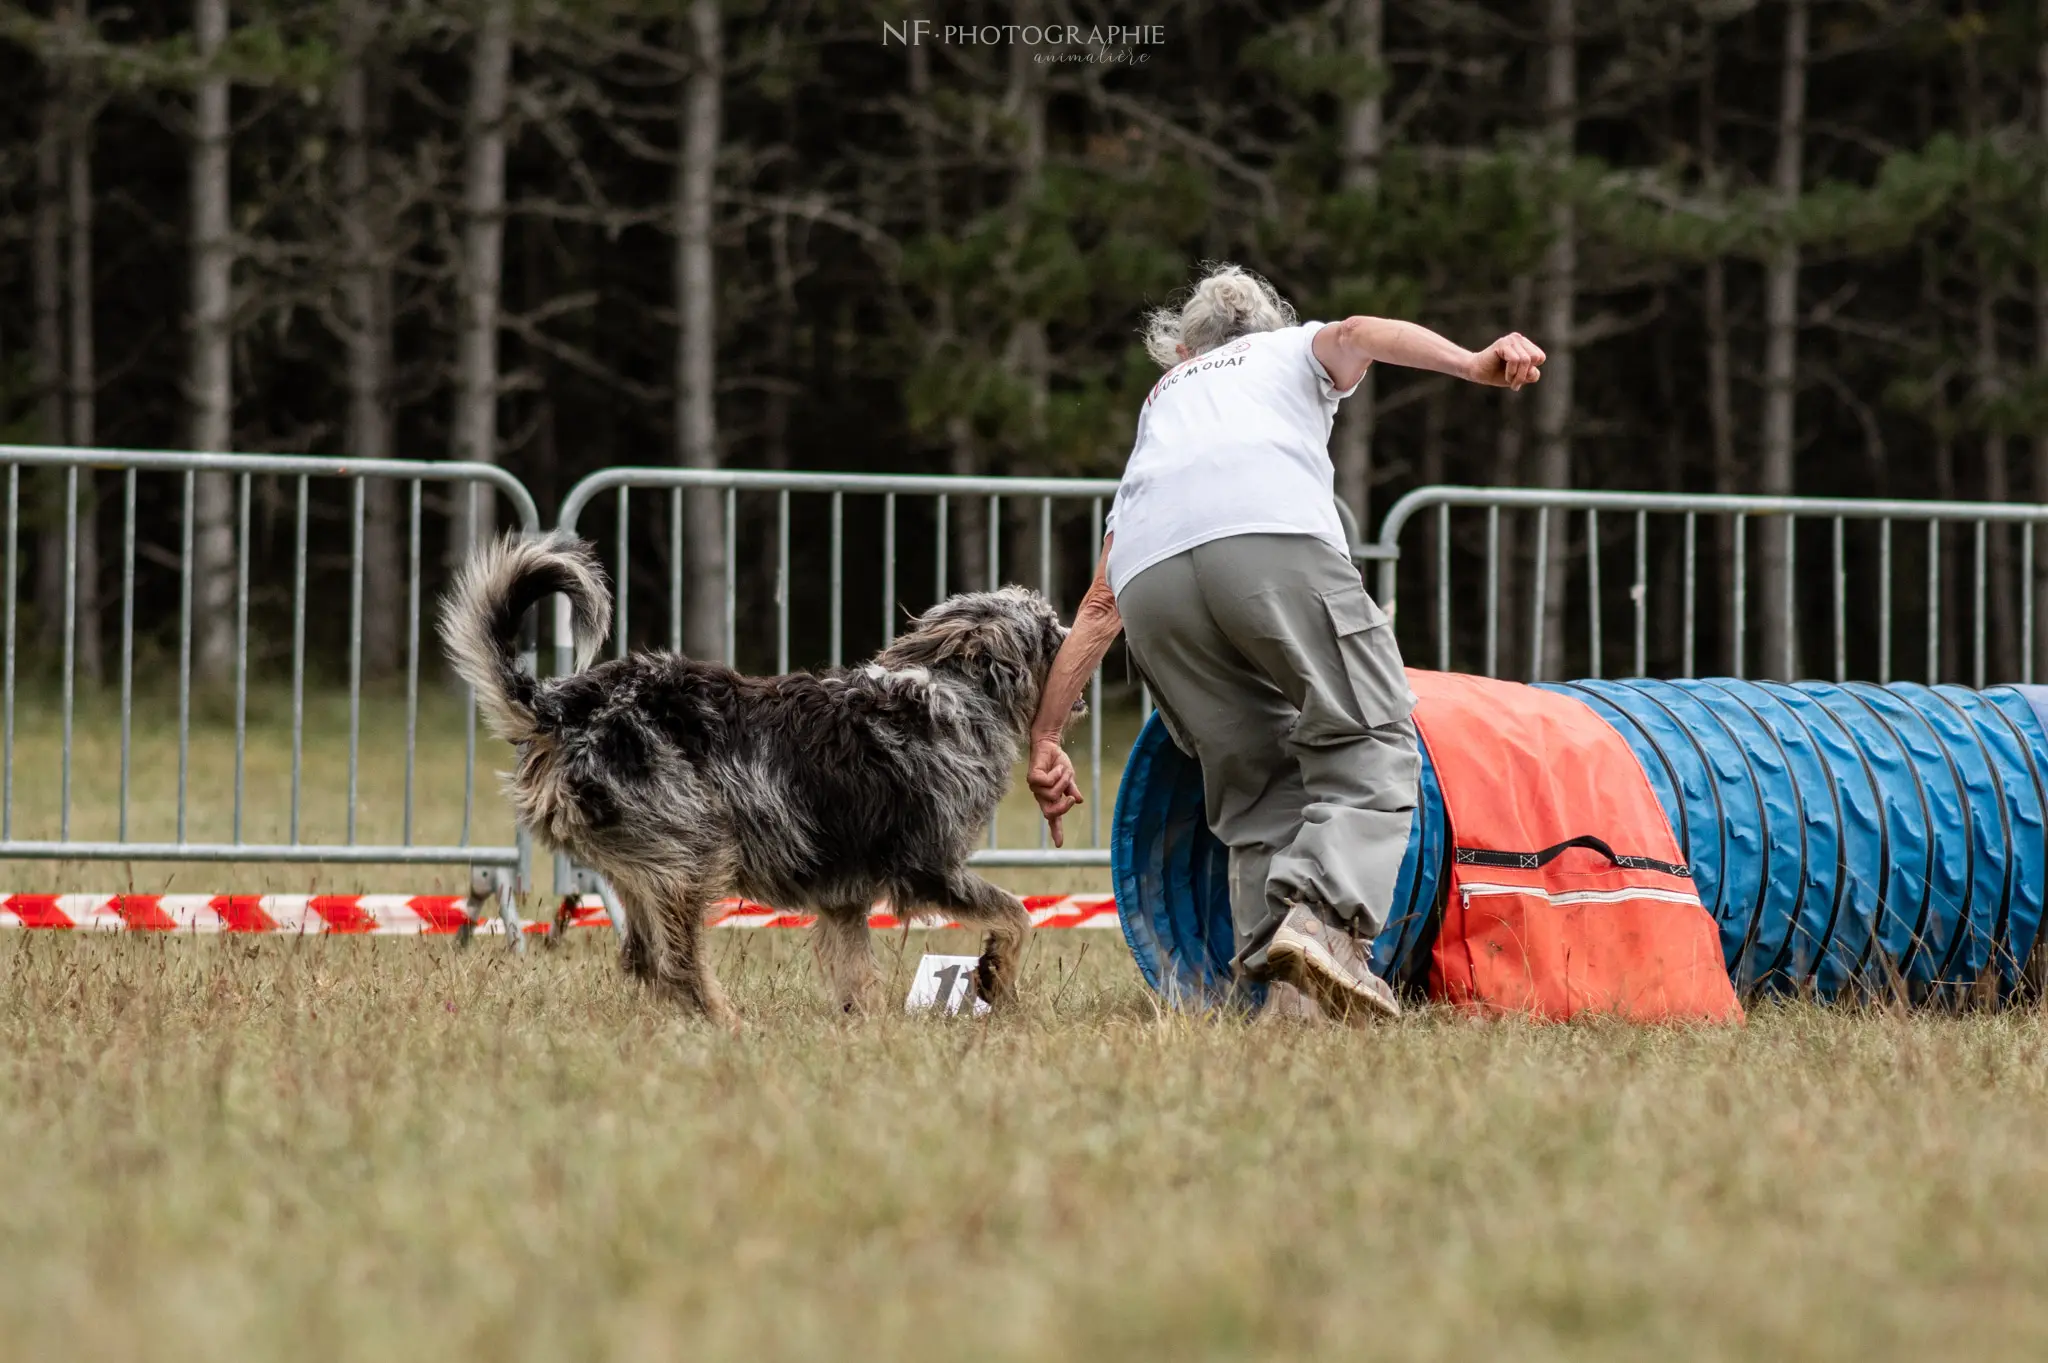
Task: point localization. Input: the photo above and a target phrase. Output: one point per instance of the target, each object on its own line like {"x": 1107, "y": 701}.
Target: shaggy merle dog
{"x": 682, "y": 782}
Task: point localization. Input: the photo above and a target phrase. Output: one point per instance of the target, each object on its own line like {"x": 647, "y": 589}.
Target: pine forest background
{"x": 1770, "y": 246}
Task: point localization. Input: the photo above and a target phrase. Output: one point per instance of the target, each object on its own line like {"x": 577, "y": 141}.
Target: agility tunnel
{"x": 1846, "y": 839}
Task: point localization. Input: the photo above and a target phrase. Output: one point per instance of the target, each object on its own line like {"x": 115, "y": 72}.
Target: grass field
{"x": 386, "y": 1149}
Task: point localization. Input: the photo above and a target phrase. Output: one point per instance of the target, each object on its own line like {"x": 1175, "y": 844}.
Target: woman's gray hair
{"x": 1229, "y": 302}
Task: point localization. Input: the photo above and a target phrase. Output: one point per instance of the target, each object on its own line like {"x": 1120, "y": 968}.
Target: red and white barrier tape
{"x": 396, "y": 915}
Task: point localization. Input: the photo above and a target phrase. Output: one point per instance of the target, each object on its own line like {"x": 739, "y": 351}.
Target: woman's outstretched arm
{"x": 1345, "y": 349}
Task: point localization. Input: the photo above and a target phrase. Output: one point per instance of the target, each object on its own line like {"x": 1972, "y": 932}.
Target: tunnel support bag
{"x": 1568, "y": 893}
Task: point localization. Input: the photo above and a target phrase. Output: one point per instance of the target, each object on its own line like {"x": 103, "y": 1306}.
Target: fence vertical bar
{"x": 1045, "y": 583}
{"x": 995, "y": 542}
{"x": 943, "y": 529}
{"x": 1493, "y": 591}
{"x": 782, "y": 581}
{"x": 995, "y": 575}
{"x": 469, "y": 697}
{"x": 1740, "y": 626}
{"x": 2027, "y": 596}
{"x": 7, "y": 667}
{"x": 675, "y": 570}
{"x": 298, "y": 653}
{"x": 1841, "y": 605}
{"x": 1689, "y": 662}
{"x": 185, "y": 648}
{"x": 1095, "y": 704}
{"x": 241, "y": 646}
{"x": 1593, "y": 586}
{"x": 1788, "y": 642}
{"x": 838, "y": 577}
{"x": 622, "y": 589}
{"x": 1640, "y": 593}
{"x": 412, "y": 648}
{"x": 1977, "y": 612}
{"x": 1884, "y": 601}
{"x": 732, "y": 583}
{"x": 1538, "y": 597}
{"x": 1443, "y": 588}
{"x": 1045, "y": 573}
{"x": 358, "y": 496}
{"x": 127, "y": 642}
{"x": 70, "y": 645}
{"x": 888, "y": 569}
{"x": 1933, "y": 602}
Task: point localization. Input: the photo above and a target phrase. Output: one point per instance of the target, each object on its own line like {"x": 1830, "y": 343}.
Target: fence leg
{"x": 493, "y": 882}
{"x": 575, "y": 882}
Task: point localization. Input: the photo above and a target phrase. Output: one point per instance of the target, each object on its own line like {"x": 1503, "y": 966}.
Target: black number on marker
{"x": 949, "y": 978}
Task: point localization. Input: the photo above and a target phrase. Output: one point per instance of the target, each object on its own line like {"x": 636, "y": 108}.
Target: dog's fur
{"x": 682, "y": 781}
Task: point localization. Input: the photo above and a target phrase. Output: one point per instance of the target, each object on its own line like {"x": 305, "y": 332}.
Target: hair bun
{"x": 1227, "y": 302}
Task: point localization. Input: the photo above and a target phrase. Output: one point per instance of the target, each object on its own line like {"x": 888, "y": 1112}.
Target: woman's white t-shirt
{"x": 1233, "y": 442}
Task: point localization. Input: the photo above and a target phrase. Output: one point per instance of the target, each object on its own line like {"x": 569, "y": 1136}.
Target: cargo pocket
{"x": 1369, "y": 689}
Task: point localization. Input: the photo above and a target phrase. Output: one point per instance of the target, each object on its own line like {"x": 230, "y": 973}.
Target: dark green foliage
{"x": 876, "y": 283}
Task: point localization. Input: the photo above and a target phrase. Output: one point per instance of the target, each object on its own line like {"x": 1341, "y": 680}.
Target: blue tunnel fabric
{"x": 1843, "y": 836}
{"x": 1168, "y": 867}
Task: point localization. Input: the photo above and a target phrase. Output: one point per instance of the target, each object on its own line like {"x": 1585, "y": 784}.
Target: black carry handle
{"x": 1531, "y": 861}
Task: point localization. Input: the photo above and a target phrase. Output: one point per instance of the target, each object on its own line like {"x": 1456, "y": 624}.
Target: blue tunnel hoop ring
{"x": 1847, "y": 839}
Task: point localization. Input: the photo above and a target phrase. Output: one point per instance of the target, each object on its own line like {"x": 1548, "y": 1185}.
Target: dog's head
{"x": 1002, "y": 642}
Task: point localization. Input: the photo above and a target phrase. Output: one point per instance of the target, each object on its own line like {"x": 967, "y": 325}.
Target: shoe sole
{"x": 1318, "y": 974}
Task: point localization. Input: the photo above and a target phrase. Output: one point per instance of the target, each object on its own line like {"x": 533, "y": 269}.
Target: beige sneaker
{"x": 1329, "y": 966}
{"x": 1285, "y": 1003}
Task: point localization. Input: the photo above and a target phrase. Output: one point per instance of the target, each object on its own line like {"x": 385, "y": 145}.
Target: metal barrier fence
{"x": 813, "y": 569}
{"x": 1060, "y": 520}
{"x": 197, "y": 515}
{"x": 1893, "y": 586}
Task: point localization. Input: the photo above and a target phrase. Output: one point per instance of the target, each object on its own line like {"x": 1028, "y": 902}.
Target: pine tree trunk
{"x": 2001, "y": 657}
{"x": 46, "y": 486}
{"x": 967, "y": 565}
{"x": 1435, "y": 414}
{"x": 1720, "y": 389}
{"x": 366, "y": 306}
{"x": 1508, "y": 448}
{"x": 1949, "y": 596}
{"x": 474, "y": 429}
{"x": 210, "y": 381}
{"x": 967, "y": 550}
{"x": 81, "y": 372}
{"x": 1363, "y": 137}
{"x": 1025, "y": 354}
{"x": 1999, "y": 625}
{"x": 696, "y": 414}
{"x": 2040, "y": 488}
{"x": 1559, "y": 286}
{"x": 1780, "y": 642}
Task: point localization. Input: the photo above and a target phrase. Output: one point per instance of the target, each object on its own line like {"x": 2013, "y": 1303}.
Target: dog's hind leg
{"x": 847, "y": 955}
{"x": 973, "y": 902}
{"x": 682, "y": 961}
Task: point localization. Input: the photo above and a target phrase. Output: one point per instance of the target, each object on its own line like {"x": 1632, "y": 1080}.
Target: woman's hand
{"x": 1051, "y": 778}
{"x": 1510, "y": 362}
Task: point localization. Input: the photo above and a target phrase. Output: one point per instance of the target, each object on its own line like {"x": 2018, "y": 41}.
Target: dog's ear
{"x": 956, "y": 639}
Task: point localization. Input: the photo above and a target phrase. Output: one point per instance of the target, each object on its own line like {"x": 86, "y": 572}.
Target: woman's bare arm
{"x": 1345, "y": 348}
{"x": 1096, "y": 625}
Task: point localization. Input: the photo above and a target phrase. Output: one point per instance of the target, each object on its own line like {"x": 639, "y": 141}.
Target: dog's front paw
{"x": 995, "y": 978}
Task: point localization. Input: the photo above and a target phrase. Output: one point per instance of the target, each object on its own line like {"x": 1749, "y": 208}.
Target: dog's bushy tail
{"x": 480, "y": 619}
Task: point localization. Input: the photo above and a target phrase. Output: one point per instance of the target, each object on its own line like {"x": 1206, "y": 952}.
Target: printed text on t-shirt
{"x": 1175, "y": 375}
